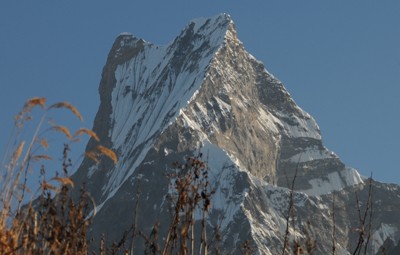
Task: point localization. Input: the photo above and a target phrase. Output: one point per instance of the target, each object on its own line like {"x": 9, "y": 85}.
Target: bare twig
{"x": 333, "y": 225}
{"x": 364, "y": 227}
{"x": 290, "y": 209}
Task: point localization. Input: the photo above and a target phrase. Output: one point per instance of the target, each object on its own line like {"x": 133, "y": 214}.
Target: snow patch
{"x": 310, "y": 154}
{"x": 384, "y": 232}
{"x": 268, "y": 122}
{"x": 334, "y": 181}
{"x": 222, "y": 172}
{"x": 91, "y": 171}
{"x": 304, "y": 125}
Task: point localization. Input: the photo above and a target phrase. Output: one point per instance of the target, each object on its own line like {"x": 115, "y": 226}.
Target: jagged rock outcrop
{"x": 204, "y": 92}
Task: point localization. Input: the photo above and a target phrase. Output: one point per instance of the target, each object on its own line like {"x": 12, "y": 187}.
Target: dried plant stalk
{"x": 93, "y": 156}
{"x": 40, "y": 157}
{"x": 107, "y": 152}
{"x": 64, "y": 181}
{"x": 88, "y": 132}
{"x": 44, "y": 143}
{"x": 18, "y": 152}
{"x": 62, "y": 129}
{"x": 32, "y": 102}
{"x": 68, "y": 106}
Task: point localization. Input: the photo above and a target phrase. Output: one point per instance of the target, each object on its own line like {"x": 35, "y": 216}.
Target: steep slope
{"x": 204, "y": 92}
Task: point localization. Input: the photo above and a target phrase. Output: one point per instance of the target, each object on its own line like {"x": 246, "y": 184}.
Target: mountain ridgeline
{"x": 204, "y": 93}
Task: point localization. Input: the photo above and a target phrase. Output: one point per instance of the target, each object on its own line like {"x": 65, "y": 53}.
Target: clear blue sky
{"x": 340, "y": 60}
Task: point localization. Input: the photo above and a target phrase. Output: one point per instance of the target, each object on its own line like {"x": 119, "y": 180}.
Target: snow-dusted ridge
{"x": 147, "y": 84}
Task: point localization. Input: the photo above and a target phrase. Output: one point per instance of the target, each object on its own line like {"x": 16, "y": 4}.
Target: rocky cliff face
{"x": 205, "y": 93}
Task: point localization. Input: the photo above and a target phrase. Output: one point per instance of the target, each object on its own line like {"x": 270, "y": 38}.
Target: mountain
{"x": 205, "y": 94}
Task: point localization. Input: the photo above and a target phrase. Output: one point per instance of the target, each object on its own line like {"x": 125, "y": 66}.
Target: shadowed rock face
{"x": 205, "y": 93}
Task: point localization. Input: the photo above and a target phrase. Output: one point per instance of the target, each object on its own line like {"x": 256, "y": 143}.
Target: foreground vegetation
{"x": 48, "y": 220}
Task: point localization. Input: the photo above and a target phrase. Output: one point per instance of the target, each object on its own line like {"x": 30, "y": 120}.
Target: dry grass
{"x": 68, "y": 106}
{"x": 88, "y": 132}
{"x": 63, "y": 130}
{"x": 101, "y": 151}
{"x": 50, "y": 222}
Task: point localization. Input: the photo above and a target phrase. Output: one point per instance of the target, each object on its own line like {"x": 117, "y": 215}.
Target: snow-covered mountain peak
{"x": 152, "y": 84}
{"x": 203, "y": 92}
{"x": 207, "y": 79}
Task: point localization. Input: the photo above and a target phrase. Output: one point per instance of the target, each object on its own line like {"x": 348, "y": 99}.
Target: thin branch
{"x": 291, "y": 206}
{"x": 370, "y": 205}
{"x": 333, "y": 225}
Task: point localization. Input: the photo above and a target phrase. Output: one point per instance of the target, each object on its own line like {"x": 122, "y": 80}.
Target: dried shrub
{"x": 191, "y": 194}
